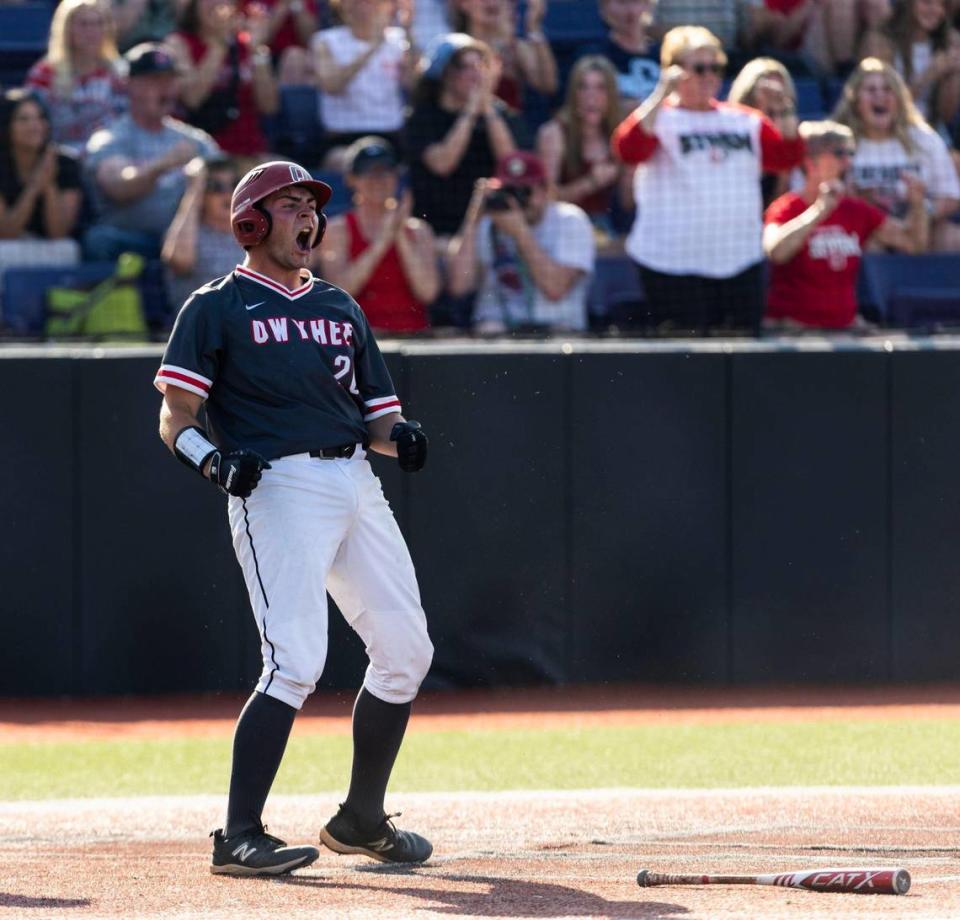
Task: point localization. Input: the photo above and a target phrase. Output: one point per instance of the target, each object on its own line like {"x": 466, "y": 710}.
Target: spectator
{"x": 529, "y": 258}
{"x": 140, "y": 21}
{"x": 925, "y": 49}
{"x": 765, "y": 84}
{"x": 815, "y": 237}
{"x": 575, "y": 144}
{"x": 630, "y": 48}
{"x": 288, "y": 28}
{"x": 456, "y": 131}
{"x": 377, "y": 252}
{"x": 697, "y": 236}
{"x": 362, "y": 69}
{"x": 784, "y": 27}
{"x": 200, "y": 244}
{"x": 227, "y": 74}
{"x": 526, "y": 61}
{"x": 893, "y": 139}
{"x": 39, "y": 186}
{"x": 135, "y": 165}
{"x": 80, "y": 77}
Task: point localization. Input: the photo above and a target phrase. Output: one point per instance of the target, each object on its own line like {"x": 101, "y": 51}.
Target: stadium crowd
{"x": 743, "y": 154}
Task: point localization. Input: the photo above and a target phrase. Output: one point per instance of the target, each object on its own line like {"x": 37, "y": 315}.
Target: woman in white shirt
{"x": 892, "y": 139}
{"x": 697, "y": 235}
{"x": 362, "y": 69}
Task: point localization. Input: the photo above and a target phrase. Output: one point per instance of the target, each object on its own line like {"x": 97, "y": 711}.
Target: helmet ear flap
{"x": 252, "y": 225}
{"x": 321, "y": 228}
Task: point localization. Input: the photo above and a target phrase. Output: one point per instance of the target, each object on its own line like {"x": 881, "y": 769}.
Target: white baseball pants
{"x": 314, "y": 525}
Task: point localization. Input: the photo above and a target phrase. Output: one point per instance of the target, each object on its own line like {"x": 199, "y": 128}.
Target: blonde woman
{"x": 575, "y": 144}
{"x": 80, "y": 77}
{"x": 892, "y": 140}
{"x": 765, "y": 84}
{"x": 697, "y": 234}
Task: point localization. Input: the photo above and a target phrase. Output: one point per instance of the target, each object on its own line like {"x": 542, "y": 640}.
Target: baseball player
{"x": 296, "y": 392}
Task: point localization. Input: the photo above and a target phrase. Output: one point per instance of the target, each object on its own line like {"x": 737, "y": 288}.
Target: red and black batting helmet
{"x": 250, "y": 221}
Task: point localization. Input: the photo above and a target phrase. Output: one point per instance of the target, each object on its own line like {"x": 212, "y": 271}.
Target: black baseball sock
{"x": 378, "y": 729}
{"x": 258, "y": 745}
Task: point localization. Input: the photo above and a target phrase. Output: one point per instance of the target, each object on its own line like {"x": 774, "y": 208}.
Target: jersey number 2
{"x": 345, "y": 370}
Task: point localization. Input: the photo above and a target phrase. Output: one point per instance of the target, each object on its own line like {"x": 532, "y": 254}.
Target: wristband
{"x": 192, "y": 448}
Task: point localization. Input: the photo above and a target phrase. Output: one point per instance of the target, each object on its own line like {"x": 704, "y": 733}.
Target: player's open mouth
{"x": 303, "y": 239}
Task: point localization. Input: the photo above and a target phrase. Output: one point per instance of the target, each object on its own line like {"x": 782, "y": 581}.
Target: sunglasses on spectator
{"x": 219, "y": 185}
{"x": 843, "y": 153}
{"x": 701, "y": 70}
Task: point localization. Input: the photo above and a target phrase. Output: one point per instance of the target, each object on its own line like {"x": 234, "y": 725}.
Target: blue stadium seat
{"x": 25, "y": 293}
{"x": 25, "y": 26}
{"x": 832, "y": 91}
{"x": 24, "y": 29}
{"x": 340, "y": 200}
{"x": 298, "y": 128}
{"x": 912, "y": 291}
{"x": 809, "y": 98}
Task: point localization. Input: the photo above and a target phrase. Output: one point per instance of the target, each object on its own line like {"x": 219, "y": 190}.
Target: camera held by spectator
{"x": 529, "y": 258}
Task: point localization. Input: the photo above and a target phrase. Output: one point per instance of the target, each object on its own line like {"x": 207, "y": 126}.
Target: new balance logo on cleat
{"x": 244, "y": 851}
{"x": 345, "y": 833}
{"x": 255, "y": 852}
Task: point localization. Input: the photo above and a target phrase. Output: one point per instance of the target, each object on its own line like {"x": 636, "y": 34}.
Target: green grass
{"x": 876, "y": 752}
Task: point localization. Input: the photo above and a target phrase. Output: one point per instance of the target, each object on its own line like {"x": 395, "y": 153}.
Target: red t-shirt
{"x": 818, "y": 286}
{"x": 387, "y": 299}
{"x": 242, "y": 136}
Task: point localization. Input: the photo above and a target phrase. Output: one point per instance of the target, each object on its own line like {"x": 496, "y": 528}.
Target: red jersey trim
{"x": 275, "y": 286}
{"x": 383, "y": 405}
{"x": 170, "y": 375}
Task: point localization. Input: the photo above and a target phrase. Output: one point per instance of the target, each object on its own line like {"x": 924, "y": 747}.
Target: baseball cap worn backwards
{"x": 149, "y": 58}
{"x": 520, "y": 168}
{"x": 370, "y": 153}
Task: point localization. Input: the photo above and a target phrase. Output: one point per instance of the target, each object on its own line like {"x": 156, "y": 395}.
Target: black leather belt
{"x": 334, "y": 453}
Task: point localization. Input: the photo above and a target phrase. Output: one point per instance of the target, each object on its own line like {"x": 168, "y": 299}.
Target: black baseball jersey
{"x": 283, "y": 371}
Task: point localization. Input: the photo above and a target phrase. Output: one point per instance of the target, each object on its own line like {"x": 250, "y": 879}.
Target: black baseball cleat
{"x": 255, "y": 852}
{"x": 383, "y": 842}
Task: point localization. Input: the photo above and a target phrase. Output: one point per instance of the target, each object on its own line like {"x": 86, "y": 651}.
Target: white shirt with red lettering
{"x": 697, "y": 187}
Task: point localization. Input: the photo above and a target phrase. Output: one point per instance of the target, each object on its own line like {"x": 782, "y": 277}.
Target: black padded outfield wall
{"x": 693, "y": 513}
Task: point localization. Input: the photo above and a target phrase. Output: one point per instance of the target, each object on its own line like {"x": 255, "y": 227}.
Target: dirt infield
{"x": 499, "y": 855}
{"x": 534, "y": 708}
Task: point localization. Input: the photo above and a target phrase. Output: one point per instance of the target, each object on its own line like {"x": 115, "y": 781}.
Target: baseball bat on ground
{"x": 850, "y": 881}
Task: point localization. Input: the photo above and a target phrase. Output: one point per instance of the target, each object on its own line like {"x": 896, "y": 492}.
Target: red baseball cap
{"x": 520, "y": 168}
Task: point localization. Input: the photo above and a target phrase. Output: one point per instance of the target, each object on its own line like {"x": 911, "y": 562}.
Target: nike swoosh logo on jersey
{"x": 254, "y": 306}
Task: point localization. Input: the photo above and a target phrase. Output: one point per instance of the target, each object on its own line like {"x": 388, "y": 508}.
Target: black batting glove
{"x": 411, "y": 445}
{"x": 236, "y": 472}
